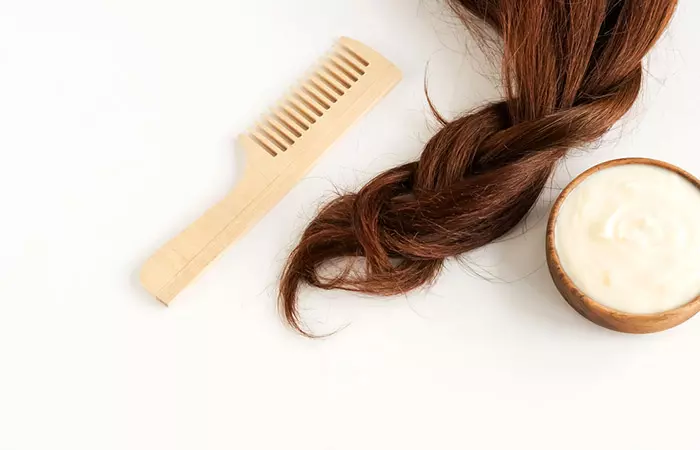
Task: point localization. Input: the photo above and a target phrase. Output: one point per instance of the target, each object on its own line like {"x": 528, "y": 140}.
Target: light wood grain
{"x": 587, "y": 307}
{"x": 280, "y": 150}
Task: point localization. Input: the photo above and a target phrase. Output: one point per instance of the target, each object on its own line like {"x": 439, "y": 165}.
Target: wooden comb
{"x": 280, "y": 150}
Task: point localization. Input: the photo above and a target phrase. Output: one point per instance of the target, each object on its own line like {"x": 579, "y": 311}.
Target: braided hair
{"x": 571, "y": 70}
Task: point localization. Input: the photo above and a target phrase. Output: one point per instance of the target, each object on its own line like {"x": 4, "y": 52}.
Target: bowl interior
{"x": 564, "y": 282}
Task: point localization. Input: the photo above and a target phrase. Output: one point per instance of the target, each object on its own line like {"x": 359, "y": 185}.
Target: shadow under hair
{"x": 571, "y": 70}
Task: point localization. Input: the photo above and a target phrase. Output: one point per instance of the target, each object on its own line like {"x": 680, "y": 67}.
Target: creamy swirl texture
{"x": 629, "y": 238}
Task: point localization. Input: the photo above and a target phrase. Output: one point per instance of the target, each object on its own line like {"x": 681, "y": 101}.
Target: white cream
{"x": 629, "y": 238}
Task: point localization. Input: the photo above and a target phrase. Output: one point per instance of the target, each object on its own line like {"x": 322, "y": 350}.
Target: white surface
{"x": 117, "y": 121}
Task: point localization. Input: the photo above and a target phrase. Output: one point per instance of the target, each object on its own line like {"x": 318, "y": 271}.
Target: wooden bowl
{"x": 588, "y": 308}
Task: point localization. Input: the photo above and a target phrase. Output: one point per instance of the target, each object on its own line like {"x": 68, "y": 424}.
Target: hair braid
{"x": 571, "y": 69}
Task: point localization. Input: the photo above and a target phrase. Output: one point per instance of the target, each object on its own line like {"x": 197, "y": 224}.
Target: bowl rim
{"x": 553, "y": 256}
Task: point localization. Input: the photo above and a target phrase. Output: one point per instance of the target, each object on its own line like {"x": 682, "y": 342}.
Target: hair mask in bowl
{"x": 629, "y": 236}
{"x": 626, "y": 235}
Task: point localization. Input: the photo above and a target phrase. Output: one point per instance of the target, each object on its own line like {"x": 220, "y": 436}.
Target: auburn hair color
{"x": 571, "y": 69}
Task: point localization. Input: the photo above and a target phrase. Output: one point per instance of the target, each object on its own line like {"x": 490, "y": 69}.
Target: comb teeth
{"x": 307, "y": 104}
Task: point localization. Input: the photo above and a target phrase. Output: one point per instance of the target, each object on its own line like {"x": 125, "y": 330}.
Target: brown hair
{"x": 571, "y": 69}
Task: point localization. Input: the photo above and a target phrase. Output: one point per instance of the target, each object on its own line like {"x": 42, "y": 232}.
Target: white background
{"x": 117, "y": 122}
